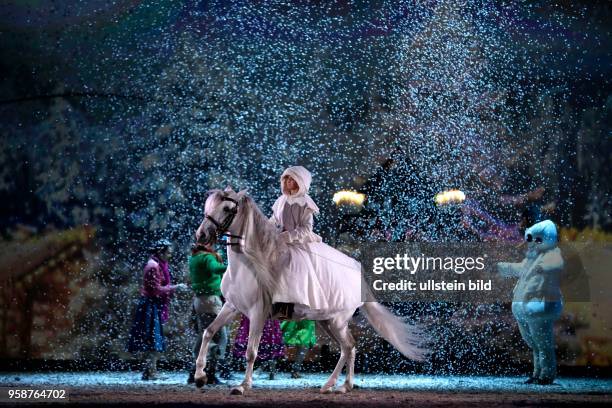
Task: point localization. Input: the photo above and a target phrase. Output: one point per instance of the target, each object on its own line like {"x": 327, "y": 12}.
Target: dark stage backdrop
{"x": 117, "y": 118}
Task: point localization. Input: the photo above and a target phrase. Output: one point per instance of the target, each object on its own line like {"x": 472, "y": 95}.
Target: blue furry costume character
{"x": 537, "y": 301}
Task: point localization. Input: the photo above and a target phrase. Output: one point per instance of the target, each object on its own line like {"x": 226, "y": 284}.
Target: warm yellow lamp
{"x": 450, "y": 197}
{"x": 344, "y": 197}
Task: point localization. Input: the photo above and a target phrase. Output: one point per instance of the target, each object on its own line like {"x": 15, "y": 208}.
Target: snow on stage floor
{"x": 283, "y": 381}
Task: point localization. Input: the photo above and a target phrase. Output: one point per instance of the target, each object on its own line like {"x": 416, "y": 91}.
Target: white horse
{"x": 257, "y": 256}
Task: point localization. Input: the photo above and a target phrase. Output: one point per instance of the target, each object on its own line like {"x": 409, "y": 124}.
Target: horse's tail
{"x": 407, "y": 338}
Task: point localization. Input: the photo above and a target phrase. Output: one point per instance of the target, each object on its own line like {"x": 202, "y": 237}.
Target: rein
{"x": 227, "y": 243}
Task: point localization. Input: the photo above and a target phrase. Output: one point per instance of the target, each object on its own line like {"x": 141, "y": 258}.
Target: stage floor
{"x": 94, "y": 388}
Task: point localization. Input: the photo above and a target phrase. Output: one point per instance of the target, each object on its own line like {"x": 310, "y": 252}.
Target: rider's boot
{"x": 282, "y": 311}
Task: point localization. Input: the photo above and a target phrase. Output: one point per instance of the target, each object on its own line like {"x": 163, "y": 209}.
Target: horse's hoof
{"x": 343, "y": 389}
{"x": 237, "y": 391}
{"x": 200, "y": 382}
{"x": 326, "y": 390}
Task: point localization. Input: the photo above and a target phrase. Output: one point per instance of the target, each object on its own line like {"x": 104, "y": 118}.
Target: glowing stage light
{"x": 348, "y": 197}
{"x": 450, "y": 197}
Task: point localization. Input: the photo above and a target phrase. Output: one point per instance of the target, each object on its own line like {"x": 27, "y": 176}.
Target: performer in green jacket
{"x": 205, "y": 271}
{"x": 300, "y": 334}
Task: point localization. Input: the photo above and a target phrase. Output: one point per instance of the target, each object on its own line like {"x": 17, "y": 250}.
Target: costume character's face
{"x": 541, "y": 237}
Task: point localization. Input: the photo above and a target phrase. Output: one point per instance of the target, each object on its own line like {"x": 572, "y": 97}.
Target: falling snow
{"x": 399, "y": 101}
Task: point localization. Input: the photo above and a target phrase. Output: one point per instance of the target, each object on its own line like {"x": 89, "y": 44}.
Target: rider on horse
{"x": 293, "y": 214}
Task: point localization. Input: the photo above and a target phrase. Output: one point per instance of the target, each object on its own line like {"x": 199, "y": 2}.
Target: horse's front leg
{"x": 226, "y": 314}
{"x": 256, "y": 321}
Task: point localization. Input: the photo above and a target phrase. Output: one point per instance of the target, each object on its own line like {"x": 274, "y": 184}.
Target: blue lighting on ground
{"x": 564, "y": 385}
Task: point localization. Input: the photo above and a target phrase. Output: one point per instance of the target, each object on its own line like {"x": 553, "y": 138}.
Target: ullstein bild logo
{"x": 431, "y": 285}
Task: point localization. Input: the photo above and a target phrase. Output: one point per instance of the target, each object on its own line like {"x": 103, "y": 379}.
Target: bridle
{"x": 222, "y": 227}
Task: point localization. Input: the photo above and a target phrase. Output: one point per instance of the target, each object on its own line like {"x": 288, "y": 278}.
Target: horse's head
{"x": 220, "y": 212}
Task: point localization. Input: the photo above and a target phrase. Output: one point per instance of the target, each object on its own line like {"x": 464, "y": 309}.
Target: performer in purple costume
{"x": 271, "y": 346}
{"x": 146, "y": 334}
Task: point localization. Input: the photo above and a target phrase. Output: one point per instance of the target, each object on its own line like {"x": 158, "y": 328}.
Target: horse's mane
{"x": 264, "y": 250}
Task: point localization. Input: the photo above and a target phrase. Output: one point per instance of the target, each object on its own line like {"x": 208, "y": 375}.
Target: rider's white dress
{"x": 319, "y": 278}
